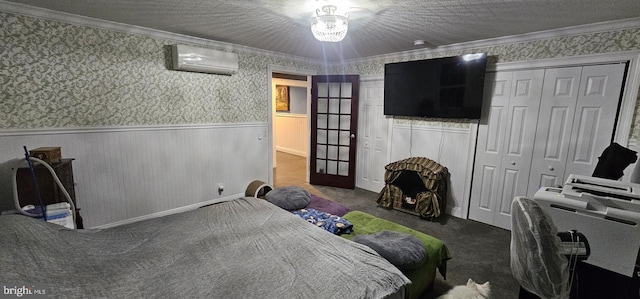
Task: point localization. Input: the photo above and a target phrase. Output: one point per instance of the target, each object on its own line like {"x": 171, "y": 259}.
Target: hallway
{"x": 291, "y": 171}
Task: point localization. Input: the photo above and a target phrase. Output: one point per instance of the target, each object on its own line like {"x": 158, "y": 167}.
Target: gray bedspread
{"x": 245, "y": 248}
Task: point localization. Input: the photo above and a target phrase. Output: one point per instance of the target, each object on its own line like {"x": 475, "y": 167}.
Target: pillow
{"x": 327, "y": 206}
{"x": 289, "y": 198}
{"x": 402, "y": 250}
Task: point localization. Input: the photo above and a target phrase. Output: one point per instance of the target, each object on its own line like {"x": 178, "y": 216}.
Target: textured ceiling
{"x": 375, "y": 27}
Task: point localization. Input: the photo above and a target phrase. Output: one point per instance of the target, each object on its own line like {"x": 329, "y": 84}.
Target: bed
{"x": 422, "y": 278}
{"x": 362, "y": 223}
{"x": 244, "y": 248}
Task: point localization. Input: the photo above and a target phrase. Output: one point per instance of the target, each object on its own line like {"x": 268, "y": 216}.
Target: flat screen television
{"x": 447, "y": 87}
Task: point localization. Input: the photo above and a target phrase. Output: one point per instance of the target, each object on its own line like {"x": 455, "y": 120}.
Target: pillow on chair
{"x": 289, "y": 198}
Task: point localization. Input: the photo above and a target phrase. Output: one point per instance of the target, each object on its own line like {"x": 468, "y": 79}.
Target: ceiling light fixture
{"x": 328, "y": 26}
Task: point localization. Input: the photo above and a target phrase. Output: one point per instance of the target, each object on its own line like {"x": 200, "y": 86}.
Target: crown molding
{"x": 48, "y": 14}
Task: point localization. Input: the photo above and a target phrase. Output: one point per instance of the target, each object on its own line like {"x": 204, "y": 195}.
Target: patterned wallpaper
{"x": 54, "y": 74}
{"x": 568, "y": 46}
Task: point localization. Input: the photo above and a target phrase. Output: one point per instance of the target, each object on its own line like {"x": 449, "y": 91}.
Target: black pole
{"x": 43, "y": 208}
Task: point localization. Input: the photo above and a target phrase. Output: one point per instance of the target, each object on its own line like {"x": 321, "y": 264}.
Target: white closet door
{"x": 374, "y": 131}
{"x": 520, "y": 133}
{"x": 503, "y": 155}
{"x": 555, "y": 121}
{"x": 595, "y": 117}
{"x": 558, "y": 122}
{"x": 490, "y": 146}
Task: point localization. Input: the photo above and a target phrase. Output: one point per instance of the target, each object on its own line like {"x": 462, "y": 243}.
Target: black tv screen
{"x": 448, "y": 87}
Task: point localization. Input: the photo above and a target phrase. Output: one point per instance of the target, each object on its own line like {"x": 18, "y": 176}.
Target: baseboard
{"x": 291, "y": 151}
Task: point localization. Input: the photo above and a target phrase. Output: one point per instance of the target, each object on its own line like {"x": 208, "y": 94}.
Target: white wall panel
{"x": 291, "y": 133}
{"x": 134, "y": 173}
{"x": 447, "y": 146}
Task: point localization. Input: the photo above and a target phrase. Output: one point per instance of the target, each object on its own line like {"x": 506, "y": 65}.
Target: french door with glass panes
{"x": 334, "y": 119}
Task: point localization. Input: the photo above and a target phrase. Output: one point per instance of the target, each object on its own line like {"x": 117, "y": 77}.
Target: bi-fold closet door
{"x": 538, "y": 127}
{"x": 504, "y": 149}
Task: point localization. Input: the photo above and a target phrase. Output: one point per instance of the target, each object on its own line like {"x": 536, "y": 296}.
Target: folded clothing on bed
{"x": 331, "y": 223}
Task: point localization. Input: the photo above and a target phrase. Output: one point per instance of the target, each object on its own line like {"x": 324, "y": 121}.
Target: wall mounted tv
{"x": 448, "y": 87}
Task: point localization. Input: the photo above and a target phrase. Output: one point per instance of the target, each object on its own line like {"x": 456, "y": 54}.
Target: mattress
{"x": 244, "y": 248}
{"x": 437, "y": 251}
{"x": 364, "y": 223}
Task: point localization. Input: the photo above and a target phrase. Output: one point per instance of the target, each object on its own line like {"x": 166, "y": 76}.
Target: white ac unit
{"x": 201, "y": 60}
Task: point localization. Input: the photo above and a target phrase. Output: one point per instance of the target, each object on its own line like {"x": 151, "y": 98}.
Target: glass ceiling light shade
{"x": 328, "y": 26}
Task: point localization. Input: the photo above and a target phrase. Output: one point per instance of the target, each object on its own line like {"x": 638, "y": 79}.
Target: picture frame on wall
{"x": 282, "y": 98}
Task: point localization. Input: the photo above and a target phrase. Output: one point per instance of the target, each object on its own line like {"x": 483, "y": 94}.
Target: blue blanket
{"x": 331, "y": 223}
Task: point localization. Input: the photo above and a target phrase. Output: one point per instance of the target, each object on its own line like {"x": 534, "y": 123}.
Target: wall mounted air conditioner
{"x": 201, "y": 60}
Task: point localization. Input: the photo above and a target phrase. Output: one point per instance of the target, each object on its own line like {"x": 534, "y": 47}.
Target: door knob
{"x": 513, "y": 162}
{"x": 551, "y": 168}
{"x": 353, "y": 136}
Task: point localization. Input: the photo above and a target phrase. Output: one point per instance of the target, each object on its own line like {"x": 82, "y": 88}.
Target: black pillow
{"x": 402, "y": 250}
{"x": 289, "y": 198}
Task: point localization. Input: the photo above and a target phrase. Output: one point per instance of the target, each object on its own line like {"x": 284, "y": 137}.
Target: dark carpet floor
{"x": 479, "y": 251}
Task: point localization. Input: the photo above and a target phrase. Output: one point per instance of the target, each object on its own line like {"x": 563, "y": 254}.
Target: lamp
{"x": 327, "y": 26}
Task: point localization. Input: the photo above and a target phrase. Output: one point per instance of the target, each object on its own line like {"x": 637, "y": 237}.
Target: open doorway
{"x": 290, "y": 126}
